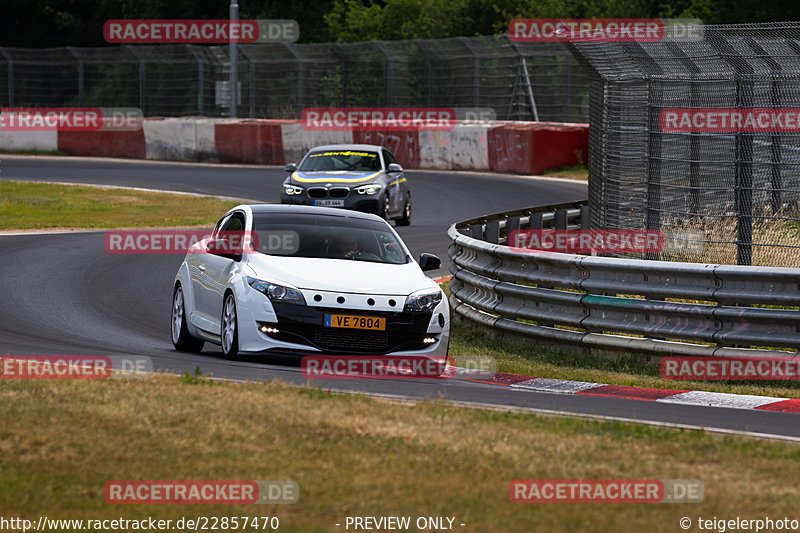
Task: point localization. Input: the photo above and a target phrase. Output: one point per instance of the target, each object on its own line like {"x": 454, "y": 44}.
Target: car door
{"x": 198, "y": 264}
{"x": 219, "y": 268}
{"x": 211, "y": 272}
{"x": 394, "y": 189}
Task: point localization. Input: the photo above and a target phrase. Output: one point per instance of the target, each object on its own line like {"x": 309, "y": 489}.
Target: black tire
{"x": 229, "y": 328}
{"x": 181, "y": 339}
{"x": 405, "y": 220}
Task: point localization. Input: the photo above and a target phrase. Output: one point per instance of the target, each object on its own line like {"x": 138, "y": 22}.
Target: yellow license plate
{"x": 372, "y": 323}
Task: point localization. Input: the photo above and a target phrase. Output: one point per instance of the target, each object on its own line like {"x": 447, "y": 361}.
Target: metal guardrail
{"x": 604, "y": 303}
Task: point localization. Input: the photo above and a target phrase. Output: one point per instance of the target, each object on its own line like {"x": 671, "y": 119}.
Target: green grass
{"x": 25, "y": 205}
{"x": 575, "y": 172}
{"x": 34, "y": 152}
{"x": 61, "y": 440}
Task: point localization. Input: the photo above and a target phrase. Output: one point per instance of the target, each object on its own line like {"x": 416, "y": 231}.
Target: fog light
{"x": 429, "y": 340}
{"x": 267, "y": 329}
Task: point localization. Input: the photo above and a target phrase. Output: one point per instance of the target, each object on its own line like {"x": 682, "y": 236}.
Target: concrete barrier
{"x": 469, "y": 147}
{"x": 297, "y": 141}
{"x": 128, "y": 144}
{"x": 403, "y": 144}
{"x": 254, "y": 141}
{"x": 171, "y": 139}
{"x": 532, "y": 148}
{"x": 46, "y": 141}
{"x": 524, "y": 148}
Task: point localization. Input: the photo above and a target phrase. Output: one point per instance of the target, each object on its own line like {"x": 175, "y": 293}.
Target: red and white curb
{"x": 584, "y": 388}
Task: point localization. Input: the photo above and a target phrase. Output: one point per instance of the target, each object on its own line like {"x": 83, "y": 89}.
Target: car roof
{"x": 347, "y": 147}
{"x": 311, "y": 210}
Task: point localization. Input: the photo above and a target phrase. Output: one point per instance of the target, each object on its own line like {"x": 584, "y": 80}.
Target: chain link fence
{"x": 279, "y": 80}
{"x": 719, "y": 197}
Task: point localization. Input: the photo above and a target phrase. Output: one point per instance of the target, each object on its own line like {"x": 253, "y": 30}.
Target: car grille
{"x": 338, "y": 192}
{"x": 358, "y": 341}
{"x": 303, "y": 325}
{"x": 317, "y": 192}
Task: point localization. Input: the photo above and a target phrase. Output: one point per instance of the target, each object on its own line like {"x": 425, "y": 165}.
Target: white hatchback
{"x": 301, "y": 280}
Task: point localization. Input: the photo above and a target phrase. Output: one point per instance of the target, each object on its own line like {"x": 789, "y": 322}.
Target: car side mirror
{"x": 394, "y": 167}
{"x": 429, "y": 262}
{"x": 291, "y": 167}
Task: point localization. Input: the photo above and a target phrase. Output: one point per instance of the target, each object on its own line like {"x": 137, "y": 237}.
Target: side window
{"x": 232, "y": 231}
{"x": 219, "y": 225}
{"x": 388, "y": 158}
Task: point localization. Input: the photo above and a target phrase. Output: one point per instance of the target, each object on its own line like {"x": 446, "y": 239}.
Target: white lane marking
{"x": 562, "y": 386}
{"x": 719, "y": 399}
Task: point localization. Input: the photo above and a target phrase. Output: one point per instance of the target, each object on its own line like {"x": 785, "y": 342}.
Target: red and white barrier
{"x": 519, "y": 147}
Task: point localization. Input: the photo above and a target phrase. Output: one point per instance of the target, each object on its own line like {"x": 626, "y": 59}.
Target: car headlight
{"x": 372, "y": 188}
{"x": 424, "y": 300}
{"x": 277, "y": 293}
{"x": 292, "y": 189}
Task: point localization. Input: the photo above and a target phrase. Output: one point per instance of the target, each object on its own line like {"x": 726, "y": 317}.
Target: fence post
{"x": 476, "y": 72}
{"x": 429, "y": 60}
{"x": 296, "y": 54}
{"x": 10, "y": 77}
{"x": 744, "y": 147}
{"x": 389, "y": 72}
{"x": 200, "y": 79}
{"x": 81, "y": 75}
{"x": 142, "y": 72}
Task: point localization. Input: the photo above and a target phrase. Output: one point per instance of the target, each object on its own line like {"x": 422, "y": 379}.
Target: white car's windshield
{"x": 344, "y": 160}
{"x": 327, "y": 237}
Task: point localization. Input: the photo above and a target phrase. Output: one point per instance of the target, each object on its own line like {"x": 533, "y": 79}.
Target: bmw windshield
{"x": 341, "y": 160}
{"x": 327, "y": 237}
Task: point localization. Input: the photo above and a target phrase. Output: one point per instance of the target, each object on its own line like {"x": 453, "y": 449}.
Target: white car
{"x": 311, "y": 281}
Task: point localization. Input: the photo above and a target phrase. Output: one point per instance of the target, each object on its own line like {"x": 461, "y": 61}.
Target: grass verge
{"x": 575, "y": 172}
{"x": 357, "y": 456}
{"x": 25, "y": 205}
{"x": 519, "y": 356}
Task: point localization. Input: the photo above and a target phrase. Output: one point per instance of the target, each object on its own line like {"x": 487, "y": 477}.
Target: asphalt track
{"x": 62, "y": 294}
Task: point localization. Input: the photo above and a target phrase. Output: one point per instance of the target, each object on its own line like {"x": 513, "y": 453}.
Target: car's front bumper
{"x": 365, "y": 203}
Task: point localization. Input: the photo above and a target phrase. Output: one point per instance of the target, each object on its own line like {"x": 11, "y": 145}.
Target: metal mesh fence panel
{"x": 718, "y": 196}
{"x": 520, "y": 81}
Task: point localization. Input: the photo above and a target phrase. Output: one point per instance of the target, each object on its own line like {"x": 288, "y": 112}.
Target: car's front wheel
{"x": 229, "y": 331}
{"x": 405, "y": 220}
{"x": 181, "y": 338}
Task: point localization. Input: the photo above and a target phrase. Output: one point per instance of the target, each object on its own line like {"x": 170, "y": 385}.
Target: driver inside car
{"x": 346, "y": 247}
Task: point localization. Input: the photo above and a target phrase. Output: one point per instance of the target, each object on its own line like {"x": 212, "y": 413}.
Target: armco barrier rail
{"x": 603, "y": 304}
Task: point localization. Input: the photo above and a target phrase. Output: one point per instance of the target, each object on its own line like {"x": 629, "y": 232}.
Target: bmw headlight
{"x": 277, "y": 293}
{"x": 372, "y": 188}
{"x": 292, "y": 189}
{"x": 424, "y": 300}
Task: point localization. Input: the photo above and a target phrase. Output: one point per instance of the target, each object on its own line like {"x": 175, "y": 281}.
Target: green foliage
{"x": 198, "y": 378}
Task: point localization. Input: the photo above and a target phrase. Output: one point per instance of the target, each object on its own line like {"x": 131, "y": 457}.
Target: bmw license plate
{"x": 372, "y": 323}
{"x": 329, "y": 203}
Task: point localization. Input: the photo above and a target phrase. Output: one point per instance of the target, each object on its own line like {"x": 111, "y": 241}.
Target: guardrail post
{"x": 512, "y": 225}
{"x": 535, "y": 221}
{"x": 493, "y": 232}
{"x": 476, "y": 231}
{"x": 585, "y": 221}
{"x": 560, "y": 219}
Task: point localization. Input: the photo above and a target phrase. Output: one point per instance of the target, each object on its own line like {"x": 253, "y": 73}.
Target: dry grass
{"x": 354, "y": 456}
{"x": 25, "y": 205}
{"x": 713, "y": 240}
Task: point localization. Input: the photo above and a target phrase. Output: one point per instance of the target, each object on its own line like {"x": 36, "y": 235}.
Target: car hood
{"x": 341, "y": 275}
{"x": 338, "y": 177}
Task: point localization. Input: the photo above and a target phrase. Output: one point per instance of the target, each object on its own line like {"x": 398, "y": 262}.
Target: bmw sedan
{"x": 361, "y": 177}
{"x": 302, "y": 280}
